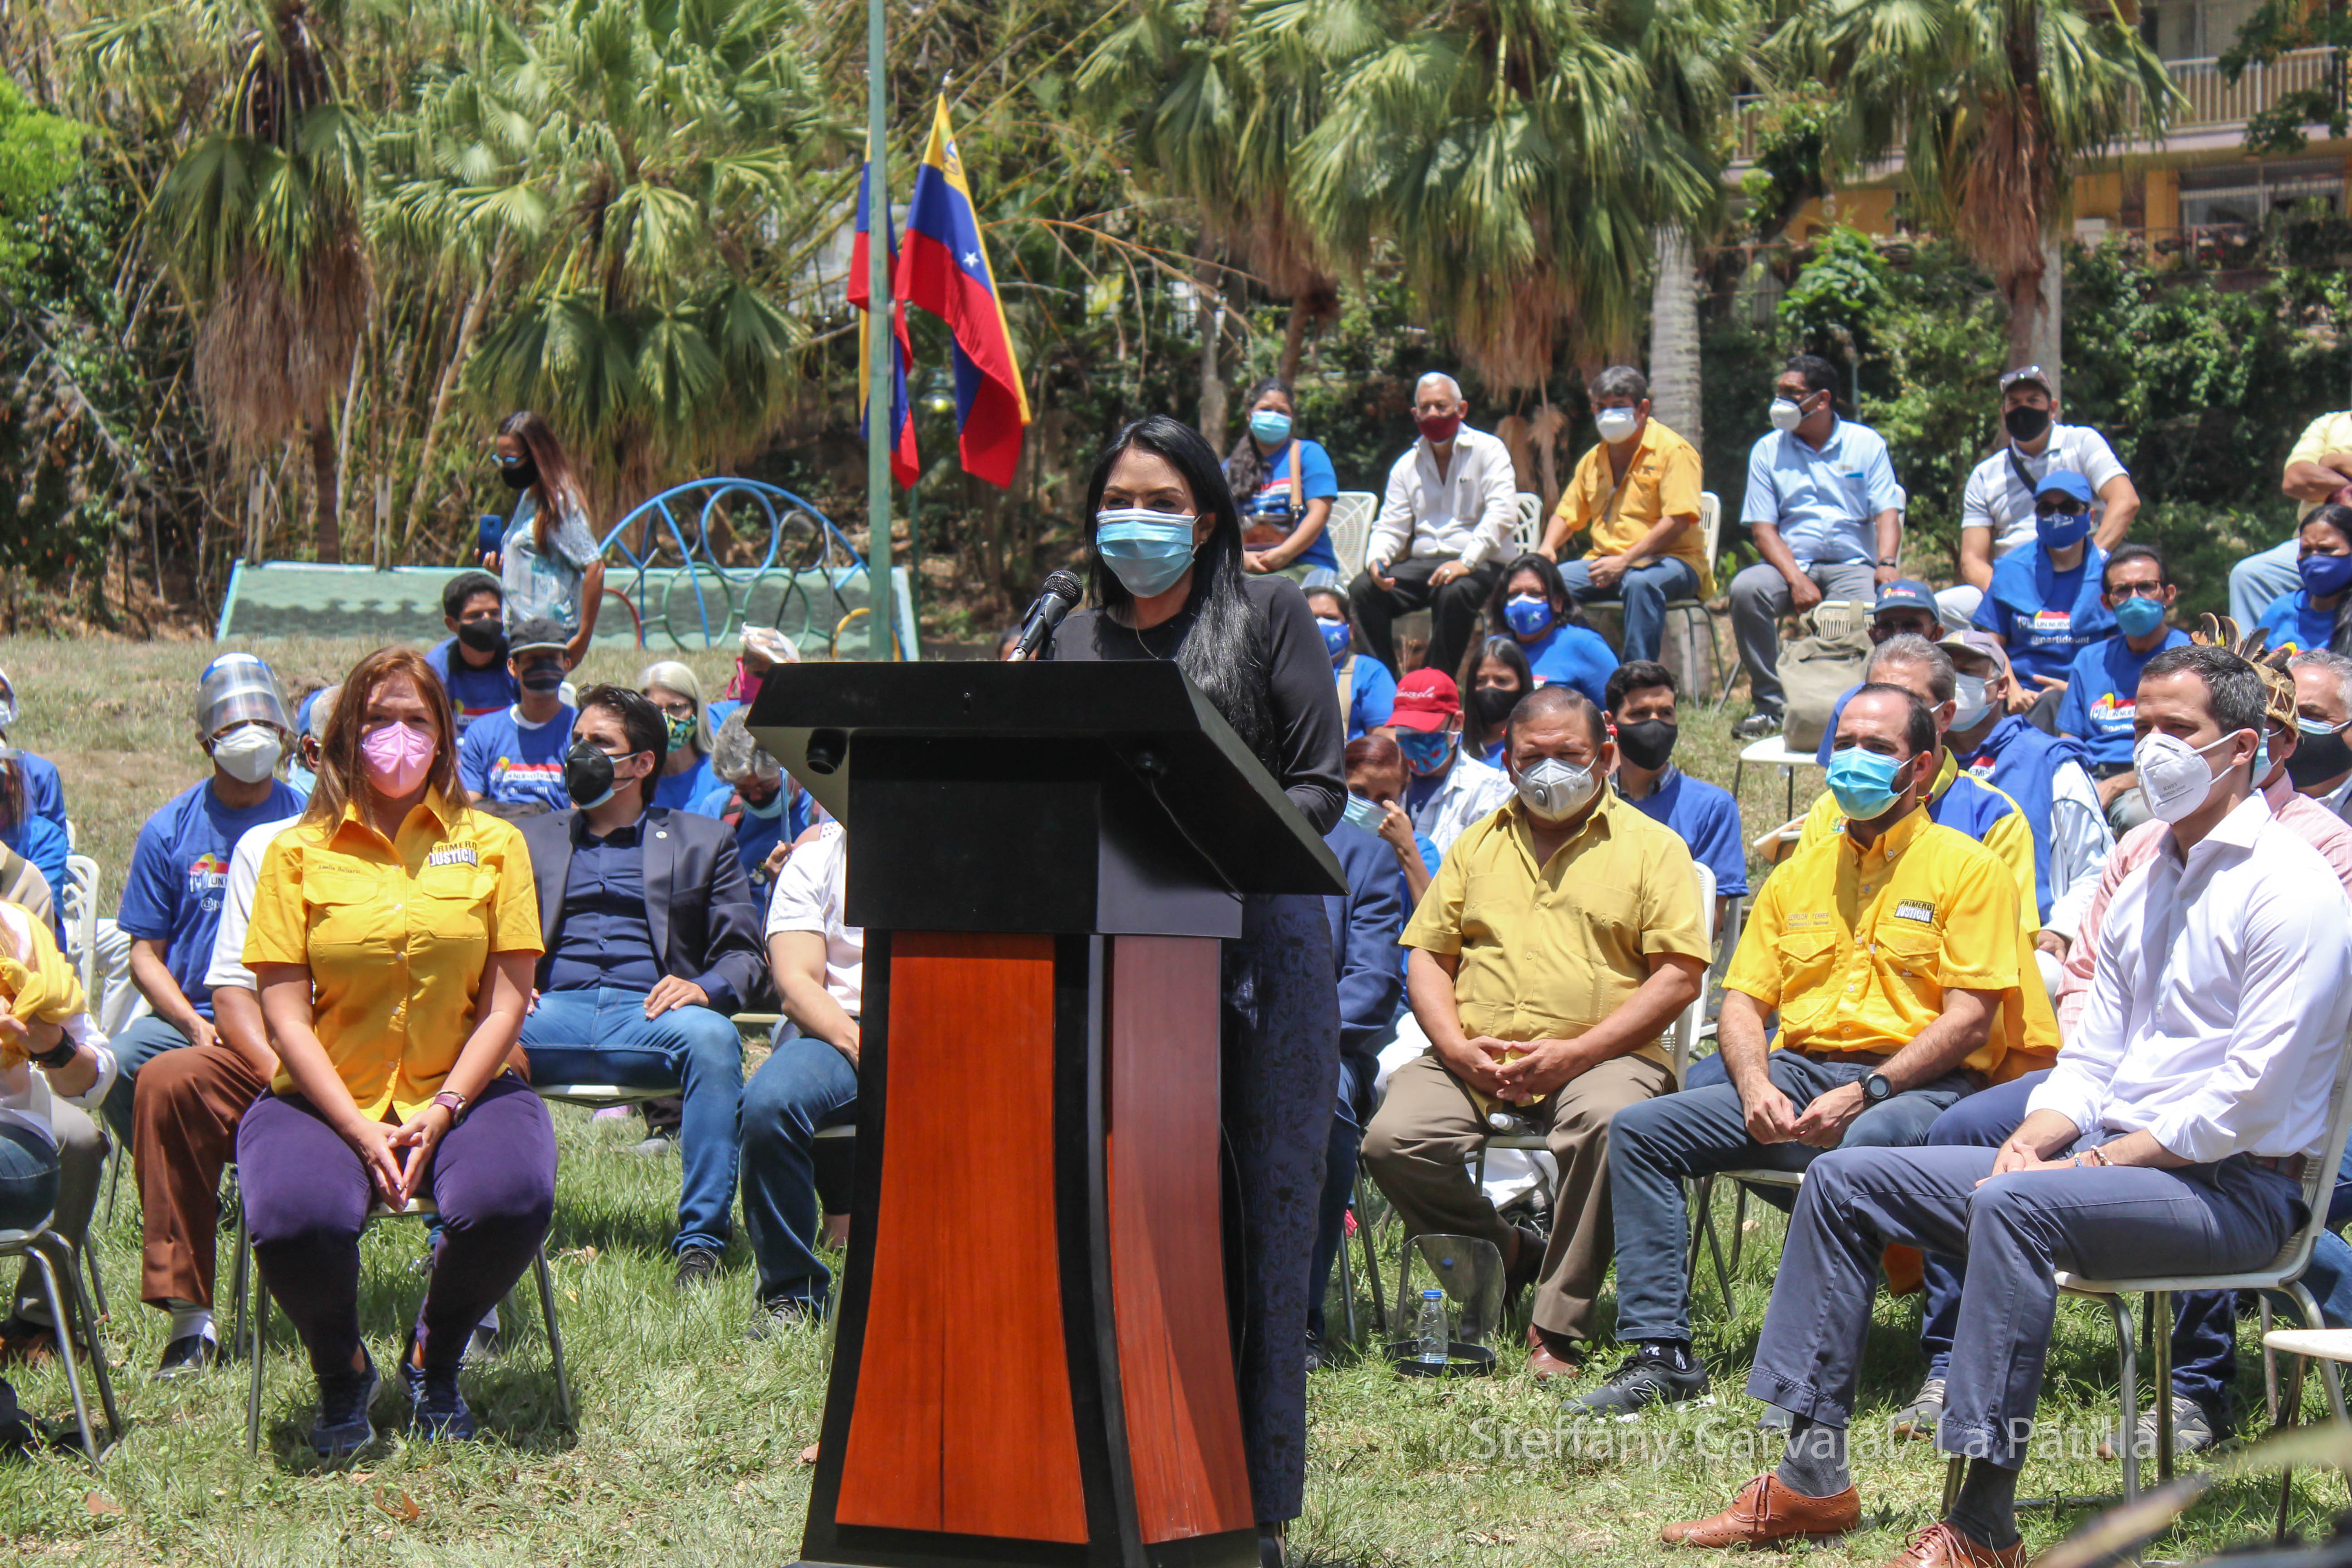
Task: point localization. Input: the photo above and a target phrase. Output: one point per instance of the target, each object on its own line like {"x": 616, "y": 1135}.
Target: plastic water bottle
{"x": 1436, "y": 1350}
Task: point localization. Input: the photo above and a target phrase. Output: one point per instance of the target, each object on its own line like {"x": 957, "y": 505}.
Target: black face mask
{"x": 587, "y": 774}
{"x": 484, "y": 637}
{"x": 2024, "y": 424}
{"x": 1649, "y": 744}
{"x": 522, "y": 476}
{"x": 541, "y": 678}
{"x": 2318, "y": 758}
{"x": 1490, "y": 705}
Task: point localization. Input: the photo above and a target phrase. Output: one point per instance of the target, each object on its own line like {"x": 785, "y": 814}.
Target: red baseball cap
{"x": 1426, "y": 700}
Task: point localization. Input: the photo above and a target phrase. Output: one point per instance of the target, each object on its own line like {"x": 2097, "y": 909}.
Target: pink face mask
{"x": 398, "y": 757}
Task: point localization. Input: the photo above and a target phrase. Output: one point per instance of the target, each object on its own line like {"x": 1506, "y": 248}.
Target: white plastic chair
{"x": 1528, "y": 531}
{"x": 1350, "y": 527}
{"x": 77, "y": 908}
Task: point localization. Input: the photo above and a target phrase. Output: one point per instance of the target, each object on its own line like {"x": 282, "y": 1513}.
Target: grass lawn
{"x": 688, "y": 1439}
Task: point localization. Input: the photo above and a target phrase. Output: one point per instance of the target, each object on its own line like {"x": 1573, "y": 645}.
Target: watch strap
{"x": 456, "y": 1104}
{"x": 52, "y": 1060}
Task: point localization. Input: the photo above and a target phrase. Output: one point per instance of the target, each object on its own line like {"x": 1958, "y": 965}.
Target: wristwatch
{"x": 52, "y": 1060}
{"x": 450, "y": 1100}
{"x": 1877, "y": 1088}
{"x": 1890, "y": 561}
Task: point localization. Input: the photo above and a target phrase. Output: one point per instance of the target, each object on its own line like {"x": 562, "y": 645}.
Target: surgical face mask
{"x": 543, "y": 677}
{"x": 1616, "y": 425}
{"x": 1336, "y": 636}
{"x": 2174, "y": 777}
{"x": 2324, "y": 576}
{"x": 1649, "y": 744}
{"x": 683, "y": 730}
{"x": 1972, "y": 694}
{"x": 1271, "y": 428}
{"x": 1426, "y": 752}
{"x": 1786, "y": 415}
{"x": 588, "y": 774}
{"x": 2320, "y": 755}
{"x": 248, "y": 752}
{"x": 484, "y": 635}
{"x": 1553, "y": 789}
{"x": 2025, "y": 424}
{"x": 770, "y": 809}
{"x": 2139, "y": 615}
{"x": 1367, "y": 815}
{"x": 1528, "y": 614}
{"x": 398, "y": 757}
{"x": 1148, "y": 551}
{"x": 2064, "y": 530}
{"x": 1863, "y": 782}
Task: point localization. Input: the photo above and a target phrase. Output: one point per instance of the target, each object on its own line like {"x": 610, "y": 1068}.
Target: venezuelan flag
{"x": 944, "y": 269}
{"x": 905, "y": 467}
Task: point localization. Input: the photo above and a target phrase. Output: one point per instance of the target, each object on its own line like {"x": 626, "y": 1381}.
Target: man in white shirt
{"x": 2321, "y": 764}
{"x": 810, "y": 1079}
{"x": 2170, "y": 1137}
{"x": 1446, "y": 789}
{"x": 1443, "y": 532}
{"x": 1996, "y": 507}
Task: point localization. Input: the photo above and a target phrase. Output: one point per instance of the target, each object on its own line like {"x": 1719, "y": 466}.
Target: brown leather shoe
{"x": 1765, "y": 1510}
{"x": 1941, "y": 1546}
{"x": 1545, "y": 1362}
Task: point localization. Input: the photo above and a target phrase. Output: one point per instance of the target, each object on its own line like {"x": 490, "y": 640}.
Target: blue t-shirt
{"x": 2046, "y": 616}
{"x": 43, "y": 843}
{"x": 1707, "y": 819}
{"x": 1372, "y": 695}
{"x": 688, "y": 791}
{"x": 473, "y": 693}
{"x": 2102, "y": 693}
{"x": 2293, "y": 624}
{"x": 44, "y": 791}
{"x": 1573, "y": 656}
{"x": 504, "y": 760}
{"x": 1318, "y": 480}
{"x": 173, "y": 894}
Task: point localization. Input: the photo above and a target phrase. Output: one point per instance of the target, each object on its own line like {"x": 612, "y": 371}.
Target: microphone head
{"x": 1062, "y": 584}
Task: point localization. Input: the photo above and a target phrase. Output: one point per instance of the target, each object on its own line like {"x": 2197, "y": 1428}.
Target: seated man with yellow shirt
{"x": 1890, "y": 951}
{"x": 1638, "y": 493}
{"x": 1561, "y": 940}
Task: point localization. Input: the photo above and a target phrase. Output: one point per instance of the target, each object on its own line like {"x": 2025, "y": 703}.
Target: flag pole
{"x": 881, "y": 341}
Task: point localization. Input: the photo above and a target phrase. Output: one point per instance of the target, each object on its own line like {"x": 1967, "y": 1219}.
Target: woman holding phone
{"x": 392, "y": 941}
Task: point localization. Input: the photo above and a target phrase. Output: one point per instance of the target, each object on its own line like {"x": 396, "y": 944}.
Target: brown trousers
{"x": 1428, "y": 1129}
{"x": 184, "y": 1131}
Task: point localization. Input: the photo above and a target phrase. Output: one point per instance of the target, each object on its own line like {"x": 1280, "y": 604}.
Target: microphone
{"x": 1055, "y": 598}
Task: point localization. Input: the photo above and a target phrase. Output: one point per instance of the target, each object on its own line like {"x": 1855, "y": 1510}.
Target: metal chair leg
{"x": 2291, "y": 1413}
{"x": 1346, "y": 1284}
{"x": 1953, "y": 1469}
{"x": 2127, "y": 1362}
{"x": 1701, "y": 1194}
{"x": 258, "y": 1344}
{"x": 64, "y": 1254}
{"x": 86, "y": 1262}
{"x": 2159, "y": 1330}
{"x": 239, "y": 1287}
{"x": 1371, "y": 1256}
{"x": 554, "y": 1338}
{"x": 1739, "y": 1220}
{"x": 58, "y": 1315}
{"x": 2270, "y": 1357}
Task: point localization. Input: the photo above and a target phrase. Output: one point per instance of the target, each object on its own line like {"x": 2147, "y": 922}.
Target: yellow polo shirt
{"x": 2010, "y": 837}
{"x": 1550, "y": 950}
{"x": 396, "y": 936}
{"x": 1856, "y": 948}
{"x": 2329, "y": 433}
{"x": 1663, "y": 480}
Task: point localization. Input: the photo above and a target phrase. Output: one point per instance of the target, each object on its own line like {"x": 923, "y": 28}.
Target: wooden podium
{"x": 1032, "y": 1363}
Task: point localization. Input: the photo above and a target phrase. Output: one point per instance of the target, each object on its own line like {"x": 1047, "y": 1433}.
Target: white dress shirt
{"x": 1468, "y": 512}
{"x": 24, "y": 1093}
{"x": 2219, "y": 1000}
{"x": 1471, "y": 790}
{"x": 808, "y": 897}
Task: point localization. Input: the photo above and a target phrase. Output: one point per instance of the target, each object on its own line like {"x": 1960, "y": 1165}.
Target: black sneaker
{"x": 1647, "y": 1378}
{"x": 696, "y": 1266}
{"x": 437, "y": 1410}
{"x": 189, "y": 1356}
{"x": 1756, "y": 725}
{"x": 341, "y": 1426}
{"x": 779, "y": 1315}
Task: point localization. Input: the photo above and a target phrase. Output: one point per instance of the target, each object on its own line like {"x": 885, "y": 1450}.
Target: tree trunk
{"x": 2049, "y": 352}
{"x": 467, "y": 326}
{"x": 1210, "y": 306}
{"x": 2033, "y": 313}
{"x": 1673, "y": 337}
{"x": 342, "y": 432}
{"x": 326, "y": 509}
{"x": 1294, "y": 339}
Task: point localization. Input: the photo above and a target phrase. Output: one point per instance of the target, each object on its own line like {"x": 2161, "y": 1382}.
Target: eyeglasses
{"x": 2137, "y": 591}
{"x": 503, "y": 461}
{"x": 2051, "y": 508}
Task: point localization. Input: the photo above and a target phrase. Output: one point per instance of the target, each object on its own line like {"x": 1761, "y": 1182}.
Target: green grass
{"x": 688, "y": 1437}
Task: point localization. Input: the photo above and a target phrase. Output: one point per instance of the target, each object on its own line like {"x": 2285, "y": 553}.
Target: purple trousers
{"x": 307, "y": 1198}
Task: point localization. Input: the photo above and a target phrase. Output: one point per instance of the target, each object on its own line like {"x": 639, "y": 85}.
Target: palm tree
{"x": 1993, "y": 104}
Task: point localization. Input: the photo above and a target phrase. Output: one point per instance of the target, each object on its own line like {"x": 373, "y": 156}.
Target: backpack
{"x": 1820, "y": 667}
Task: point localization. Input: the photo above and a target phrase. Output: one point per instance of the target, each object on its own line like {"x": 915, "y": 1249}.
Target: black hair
{"x": 2235, "y": 693}
{"x": 1227, "y": 650}
{"x": 1245, "y": 467}
{"x": 1546, "y": 700}
{"x": 1508, "y": 651}
{"x": 1636, "y": 675}
{"x": 1565, "y": 610}
{"x": 464, "y": 586}
{"x": 12, "y": 791}
{"x": 1335, "y": 592}
{"x": 2124, "y": 554}
{"x": 1919, "y": 730}
{"x": 1819, "y": 374}
{"x": 646, "y": 725}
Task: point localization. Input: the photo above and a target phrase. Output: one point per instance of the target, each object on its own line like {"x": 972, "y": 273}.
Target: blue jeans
{"x": 2259, "y": 578}
{"x": 804, "y": 1086}
{"x": 1644, "y": 592}
{"x": 28, "y": 1177}
{"x": 1348, "y": 1120}
{"x": 144, "y": 1038}
{"x": 1655, "y": 1144}
{"x": 604, "y": 1037}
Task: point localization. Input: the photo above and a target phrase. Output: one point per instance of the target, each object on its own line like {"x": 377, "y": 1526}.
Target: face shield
{"x": 237, "y": 687}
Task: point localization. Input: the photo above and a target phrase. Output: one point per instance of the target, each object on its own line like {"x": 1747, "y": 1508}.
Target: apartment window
{"x": 2249, "y": 192}
{"x": 2193, "y": 29}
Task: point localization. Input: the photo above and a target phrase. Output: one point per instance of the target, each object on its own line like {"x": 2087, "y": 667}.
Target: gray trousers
{"x": 2104, "y": 1222}
{"x": 1759, "y": 597}
{"x": 81, "y": 1154}
{"x": 2262, "y": 577}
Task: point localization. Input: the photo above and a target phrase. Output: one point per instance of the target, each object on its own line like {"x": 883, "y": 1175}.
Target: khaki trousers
{"x": 1428, "y": 1129}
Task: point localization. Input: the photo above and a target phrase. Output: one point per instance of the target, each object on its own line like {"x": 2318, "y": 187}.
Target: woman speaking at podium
{"x": 1166, "y": 582}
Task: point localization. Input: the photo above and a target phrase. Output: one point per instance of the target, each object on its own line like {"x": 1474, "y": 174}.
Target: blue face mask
{"x": 2324, "y": 576}
{"x": 1272, "y": 429}
{"x": 2139, "y": 615}
{"x": 1426, "y": 752}
{"x": 1527, "y": 613}
{"x": 1367, "y": 815}
{"x": 2066, "y": 530}
{"x": 1148, "y": 551}
{"x": 1863, "y": 782}
{"x": 1336, "y": 637}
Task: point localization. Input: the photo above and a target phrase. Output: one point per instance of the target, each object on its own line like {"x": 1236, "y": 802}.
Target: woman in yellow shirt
{"x": 392, "y": 940}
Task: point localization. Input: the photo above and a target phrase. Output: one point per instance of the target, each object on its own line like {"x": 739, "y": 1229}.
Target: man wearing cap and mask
{"x": 172, "y": 895}
{"x": 512, "y": 760}
{"x": 1559, "y": 942}
{"x": 2103, "y": 681}
{"x": 1705, "y": 817}
{"x": 472, "y": 663}
{"x": 2321, "y": 765}
{"x": 45, "y": 790}
{"x": 1445, "y": 789}
{"x": 2045, "y": 602}
{"x": 1997, "y": 509}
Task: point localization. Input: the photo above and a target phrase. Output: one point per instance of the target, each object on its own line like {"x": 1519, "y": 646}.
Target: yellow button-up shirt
{"x": 1661, "y": 480}
{"x": 1550, "y": 950}
{"x": 1856, "y": 947}
{"x": 2329, "y": 433}
{"x": 2010, "y": 837}
{"x": 396, "y": 936}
